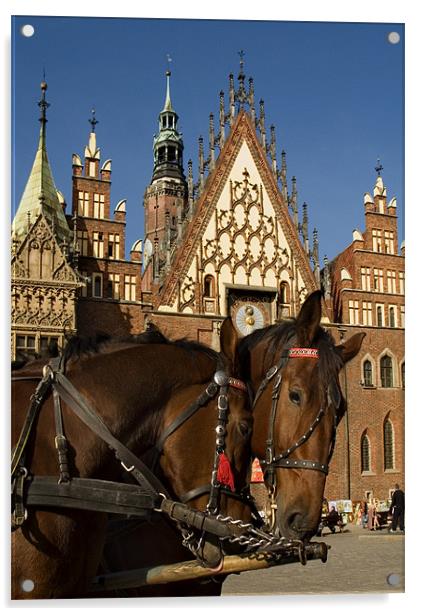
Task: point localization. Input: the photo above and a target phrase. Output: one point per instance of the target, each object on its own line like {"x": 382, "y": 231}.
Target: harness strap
{"x": 203, "y": 399}
{"x": 91, "y": 495}
{"x": 81, "y": 408}
{"x": 37, "y": 399}
{"x": 308, "y": 464}
{"x": 60, "y": 440}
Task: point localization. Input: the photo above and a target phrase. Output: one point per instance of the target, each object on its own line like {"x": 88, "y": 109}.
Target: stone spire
{"x": 40, "y": 194}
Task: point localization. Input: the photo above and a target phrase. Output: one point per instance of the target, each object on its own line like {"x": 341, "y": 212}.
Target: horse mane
{"x": 78, "y": 346}
{"x": 279, "y": 336}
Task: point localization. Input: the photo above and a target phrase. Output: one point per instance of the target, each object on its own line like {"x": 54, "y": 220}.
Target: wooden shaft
{"x": 178, "y": 572}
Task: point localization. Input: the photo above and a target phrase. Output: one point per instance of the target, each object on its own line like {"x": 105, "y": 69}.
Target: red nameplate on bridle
{"x": 303, "y": 352}
{"x": 237, "y": 384}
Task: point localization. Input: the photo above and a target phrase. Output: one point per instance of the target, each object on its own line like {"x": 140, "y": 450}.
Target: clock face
{"x": 248, "y": 318}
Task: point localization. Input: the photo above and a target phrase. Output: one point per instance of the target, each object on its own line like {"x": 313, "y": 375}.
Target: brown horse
{"x": 137, "y": 389}
{"x": 293, "y": 368}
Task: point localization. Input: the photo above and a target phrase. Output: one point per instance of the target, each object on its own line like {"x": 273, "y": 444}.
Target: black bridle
{"x": 218, "y": 387}
{"x": 283, "y": 460}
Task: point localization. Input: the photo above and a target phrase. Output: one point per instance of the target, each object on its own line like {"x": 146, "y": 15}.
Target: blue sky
{"x": 334, "y": 92}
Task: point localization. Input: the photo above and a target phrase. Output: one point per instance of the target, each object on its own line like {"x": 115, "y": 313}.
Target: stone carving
{"x": 246, "y": 237}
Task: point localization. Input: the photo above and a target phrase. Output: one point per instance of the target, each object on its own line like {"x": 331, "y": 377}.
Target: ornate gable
{"x": 241, "y": 237}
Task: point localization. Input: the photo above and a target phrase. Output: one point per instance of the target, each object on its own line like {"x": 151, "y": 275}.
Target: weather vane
{"x": 93, "y": 121}
{"x": 379, "y": 167}
{"x": 169, "y": 59}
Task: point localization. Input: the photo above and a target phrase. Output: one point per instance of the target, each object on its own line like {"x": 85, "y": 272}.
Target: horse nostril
{"x": 294, "y": 521}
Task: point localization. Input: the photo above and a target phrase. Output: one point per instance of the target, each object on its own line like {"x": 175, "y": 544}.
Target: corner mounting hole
{"x": 393, "y": 579}
{"x": 27, "y": 585}
{"x": 393, "y": 38}
{"x": 27, "y": 30}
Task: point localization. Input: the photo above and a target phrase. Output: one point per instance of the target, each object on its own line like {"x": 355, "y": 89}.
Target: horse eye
{"x": 244, "y": 428}
{"x": 294, "y": 396}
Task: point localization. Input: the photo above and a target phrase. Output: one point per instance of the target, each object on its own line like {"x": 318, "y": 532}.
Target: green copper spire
{"x": 40, "y": 194}
{"x": 167, "y": 104}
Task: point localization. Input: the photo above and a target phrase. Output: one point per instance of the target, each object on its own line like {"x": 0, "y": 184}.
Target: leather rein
{"x": 283, "y": 459}
{"x": 75, "y": 491}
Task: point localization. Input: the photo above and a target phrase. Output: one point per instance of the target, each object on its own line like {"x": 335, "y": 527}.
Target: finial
{"x": 379, "y": 167}
{"x": 169, "y": 59}
{"x": 42, "y": 104}
{"x": 241, "y": 55}
{"x": 93, "y": 121}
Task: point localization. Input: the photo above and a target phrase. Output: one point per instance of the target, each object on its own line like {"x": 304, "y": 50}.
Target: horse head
{"x": 294, "y": 370}
{"x": 206, "y": 460}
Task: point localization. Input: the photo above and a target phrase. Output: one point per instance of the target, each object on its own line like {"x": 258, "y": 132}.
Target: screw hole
{"x": 393, "y": 579}
{"x": 27, "y": 30}
{"x": 393, "y": 38}
{"x": 27, "y": 585}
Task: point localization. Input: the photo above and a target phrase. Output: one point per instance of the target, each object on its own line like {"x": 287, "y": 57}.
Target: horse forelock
{"x": 278, "y": 337}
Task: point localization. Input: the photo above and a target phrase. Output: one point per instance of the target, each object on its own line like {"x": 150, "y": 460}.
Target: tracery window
{"x": 365, "y": 454}
{"x": 367, "y": 373}
{"x": 388, "y": 445}
{"x": 386, "y": 365}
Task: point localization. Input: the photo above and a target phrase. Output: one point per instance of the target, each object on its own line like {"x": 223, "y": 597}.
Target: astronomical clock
{"x": 250, "y": 311}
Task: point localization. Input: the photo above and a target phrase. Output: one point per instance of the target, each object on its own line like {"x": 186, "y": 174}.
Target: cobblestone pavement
{"x": 359, "y": 561}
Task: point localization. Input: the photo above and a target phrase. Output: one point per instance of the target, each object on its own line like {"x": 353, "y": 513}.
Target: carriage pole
{"x": 192, "y": 570}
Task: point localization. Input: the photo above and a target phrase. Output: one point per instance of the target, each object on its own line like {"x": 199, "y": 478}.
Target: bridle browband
{"x": 283, "y": 459}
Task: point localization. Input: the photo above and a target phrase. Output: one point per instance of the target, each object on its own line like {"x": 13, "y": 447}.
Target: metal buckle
{"x": 271, "y": 372}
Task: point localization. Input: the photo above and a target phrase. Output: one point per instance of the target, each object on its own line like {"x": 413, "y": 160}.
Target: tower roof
{"x": 167, "y": 103}
{"x": 40, "y": 194}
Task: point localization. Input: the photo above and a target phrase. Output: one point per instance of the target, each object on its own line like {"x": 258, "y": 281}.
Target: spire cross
{"x": 93, "y": 121}
{"x": 379, "y": 168}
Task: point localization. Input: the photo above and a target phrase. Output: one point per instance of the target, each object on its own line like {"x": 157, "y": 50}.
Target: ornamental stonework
{"x": 246, "y": 238}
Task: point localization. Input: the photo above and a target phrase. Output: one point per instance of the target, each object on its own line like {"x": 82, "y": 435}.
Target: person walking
{"x": 397, "y": 509}
{"x": 371, "y": 514}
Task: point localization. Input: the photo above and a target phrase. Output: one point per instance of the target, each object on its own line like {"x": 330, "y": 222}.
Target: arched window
{"x": 402, "y": 375}
{"x": 365, "y": 454}
{"x": 209, "y": 286}
{"x": 367, "y": 373}
{"x": 386, "y": 371}
{"x": 284, "y": 293}
{"x": 388, "y": 445}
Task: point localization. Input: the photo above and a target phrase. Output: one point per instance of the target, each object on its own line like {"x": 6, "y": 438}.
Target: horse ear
{"x": 351, "y": 347}
{"x": 228, "y": 340}
{"x": 309, "y": 318}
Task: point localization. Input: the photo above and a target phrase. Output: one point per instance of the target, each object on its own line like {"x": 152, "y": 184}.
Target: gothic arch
{"x": 387, "y": 353}
{"x": 365, "y": 373}
{"x": 365, "y": 453}
{"x": 389, "y": 449}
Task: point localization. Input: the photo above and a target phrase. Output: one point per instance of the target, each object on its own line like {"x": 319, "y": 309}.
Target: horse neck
{"x": 141, "y": 380}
